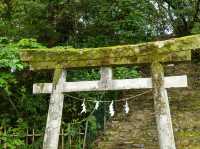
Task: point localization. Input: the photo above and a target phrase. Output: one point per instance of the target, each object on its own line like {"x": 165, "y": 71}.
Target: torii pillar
{"x": 162, "y": 109}
{"x": 154, "y": 53}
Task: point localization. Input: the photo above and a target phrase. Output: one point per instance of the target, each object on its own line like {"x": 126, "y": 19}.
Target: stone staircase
{"x": 135, "y": 130}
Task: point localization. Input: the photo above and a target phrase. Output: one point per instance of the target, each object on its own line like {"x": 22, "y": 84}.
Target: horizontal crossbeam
{"x": 139, "y": 83}
{"x": 173, "y": 50}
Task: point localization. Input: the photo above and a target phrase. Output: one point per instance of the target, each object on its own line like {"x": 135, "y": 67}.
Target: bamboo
{"x": 62, "y": 135}
{"x": 85, "y": 136}
{"x": 27, "y": 136}
{"x": 104, "y": 122}
{"x": 69, "y": 136}
{"x": 5, "y": 145}
{"x": 33, "y": 138}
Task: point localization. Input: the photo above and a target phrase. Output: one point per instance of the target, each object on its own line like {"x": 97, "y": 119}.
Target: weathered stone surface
{"x": 177, "y": 49}
{"x": 161, "y": 108}
{"x": 139, "y": 127}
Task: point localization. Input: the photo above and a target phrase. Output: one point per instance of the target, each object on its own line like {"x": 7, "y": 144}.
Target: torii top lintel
{"x": 173, "y": 50}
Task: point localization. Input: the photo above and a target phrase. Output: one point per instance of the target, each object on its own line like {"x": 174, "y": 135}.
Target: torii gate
{"x": 154, "y": 53}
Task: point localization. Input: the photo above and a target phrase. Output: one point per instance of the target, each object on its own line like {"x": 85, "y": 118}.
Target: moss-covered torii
{"x": 177, "y": 49}
{"x": 154, "y": 53}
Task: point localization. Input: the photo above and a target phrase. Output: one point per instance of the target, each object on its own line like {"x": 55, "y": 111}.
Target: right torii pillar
{"x": 162, "y": 109}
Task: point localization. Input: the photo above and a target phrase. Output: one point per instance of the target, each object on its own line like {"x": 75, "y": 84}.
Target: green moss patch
{"x": 177, "y": 49}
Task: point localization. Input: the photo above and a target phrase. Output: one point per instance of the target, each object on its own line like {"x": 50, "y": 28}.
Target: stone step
{"x": 121, "y": 145}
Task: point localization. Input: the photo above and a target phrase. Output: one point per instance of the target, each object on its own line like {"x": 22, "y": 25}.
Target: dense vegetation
{"x": 76, "y": 23}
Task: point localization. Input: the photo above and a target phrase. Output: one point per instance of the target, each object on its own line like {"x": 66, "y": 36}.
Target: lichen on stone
{"x": 177, "y": 49}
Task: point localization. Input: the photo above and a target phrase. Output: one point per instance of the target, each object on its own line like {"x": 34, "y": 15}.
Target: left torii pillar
{"x": 52, "y": 131}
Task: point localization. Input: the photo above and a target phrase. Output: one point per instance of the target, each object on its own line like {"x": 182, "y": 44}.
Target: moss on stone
{"x": 57, "y": 75}
{"x": 188, "y": 133}
{"x": 177, "y": 49}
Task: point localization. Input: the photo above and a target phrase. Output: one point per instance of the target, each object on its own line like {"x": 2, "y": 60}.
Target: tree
{"x": 183, "y": 16}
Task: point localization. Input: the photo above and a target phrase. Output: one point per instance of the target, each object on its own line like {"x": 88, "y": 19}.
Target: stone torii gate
{"x": 154, "y": 53}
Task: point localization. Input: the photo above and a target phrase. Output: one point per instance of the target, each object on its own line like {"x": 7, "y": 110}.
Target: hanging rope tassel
{"x": 97, "y": 105}
{"x": 13, "y": 69}
{"x": 126, "y": 107}
{"x": 83, "y": 107}
{"x": 111, "y": 109}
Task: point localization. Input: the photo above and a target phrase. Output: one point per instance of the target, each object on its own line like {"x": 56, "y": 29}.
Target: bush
{"x": 29, "y": 43}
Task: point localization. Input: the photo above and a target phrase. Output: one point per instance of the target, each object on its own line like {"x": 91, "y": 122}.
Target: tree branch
{"x": 6, "y": 96}
{"x": 197, "y": 9}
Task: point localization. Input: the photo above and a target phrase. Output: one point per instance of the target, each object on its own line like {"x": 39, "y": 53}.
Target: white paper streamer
{"x": 13, "y": 69}
{"x": 83, "y": 107}
{"x": 97, "y": 105}
{"x": 126, "y": 108}
{"x": 111, "y": 109}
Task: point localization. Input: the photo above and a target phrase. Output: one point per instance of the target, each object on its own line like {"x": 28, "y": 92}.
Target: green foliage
{"x": 81, "y": 23}
{"x": 13, "y": 91}
{"x": 196, "y": 28}
{"x": 126, "y": 73}
{"x": 28, "y": 43}
{"x": 180, "y": 16}
{"x": 84, "y": 74}
{"x": 86, "y": 24}
{"x": 4, "y": 40}
{"x": 6, "y": 80}
{"x": 9, "y": 62}
{"x": 9, "y": 57}
{"x": 11, "y": 141}
{"x": 92, "y": 124}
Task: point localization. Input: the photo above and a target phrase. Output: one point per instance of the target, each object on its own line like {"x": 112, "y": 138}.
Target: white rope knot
{"x": 83, "y": 107}
{"x": 13, "y": 69}
{"x": 126, "y": 107}
{"x": 111, "y": 109}
{"x": 96, "y": 105}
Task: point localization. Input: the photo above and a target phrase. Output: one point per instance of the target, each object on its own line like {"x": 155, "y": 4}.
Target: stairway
{"x": 133, "y": 130}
